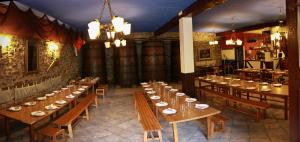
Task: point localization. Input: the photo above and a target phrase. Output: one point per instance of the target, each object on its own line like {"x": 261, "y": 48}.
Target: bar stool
{"x": 52, "y": 133}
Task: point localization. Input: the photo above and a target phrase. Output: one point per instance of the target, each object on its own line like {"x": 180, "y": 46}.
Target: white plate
{"x": 164, "y": 84}
{"x": 55, "y": 91}
{"x": 84, "y": 87}
{"x": 38, "y": 113}
{"x": 201, "y": 77}
{"x": 70, "y": 97}
{"x": 169, "y": 111}
{"x": 144, "y": 83}
{"x": 155, "y": 97}
{"x": 190, "y": 100}
{"x": 277, "y": 85}
{"x": 213, "y": 81}
{"x": 77, "y": 92}
{"x": 51, "y": 107}
{"x": 81, "y": 89}
{"x": 250, "y": 88}
{"x": 146, "y": 86}
{"x": 60, "y": 102}
{"x": 227, "y": 78}
{"x": 151, "y": 92}
{"x": 15, "y": 108}
{"x": 235, "y": 85}
{"x": 250, "y": 81}
{"x": 168, "y": 87}
{"x": 174, "y": 90}
{"x": 50, "y": 95}
{"x": 69, "y": 86}
{"x": 207, "y": 79}
{"x": 160, "y": 104}
{"x": 265, "y": 90}
{"x": 148, "y": 89}
{"x": 264, "y": 83}
{"x": 236, "y": 79}
{"x": 64, "y": 88}
{"x": 223, "y": 82}
{"x": 41, "y": 98}
{"x": 180, "y": 94}
{"x": 30, "y": 103}
{"x": 201, "y": 106}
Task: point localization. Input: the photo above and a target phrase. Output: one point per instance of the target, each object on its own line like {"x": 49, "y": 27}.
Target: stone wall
{"x": 201, "y": 42}
{"x": 12, "y": 64}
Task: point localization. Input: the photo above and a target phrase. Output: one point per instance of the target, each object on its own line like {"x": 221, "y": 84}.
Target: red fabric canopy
{"x": 26, "y": 25}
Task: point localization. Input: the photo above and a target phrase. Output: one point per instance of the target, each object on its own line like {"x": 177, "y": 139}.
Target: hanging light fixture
{"x": 115, "y": 30}
{"x": 234, "y": 40}
{"x": 214, "y": 42}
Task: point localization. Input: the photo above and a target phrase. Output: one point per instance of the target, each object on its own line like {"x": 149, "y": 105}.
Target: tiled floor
{"x": 115, "y": 121}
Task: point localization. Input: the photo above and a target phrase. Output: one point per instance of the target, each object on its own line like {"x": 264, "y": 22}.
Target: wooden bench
{"x": 147, "y": 118}
{"x": 218, "y": 119}
{"x": 67, "y": 119}
{"x": 52, "y": 133}
{"x": 259, "y": 106}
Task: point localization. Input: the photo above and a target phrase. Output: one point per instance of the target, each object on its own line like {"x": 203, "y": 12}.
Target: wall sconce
{"x": 5, "y": 41}
{"x": 53, "y": 48}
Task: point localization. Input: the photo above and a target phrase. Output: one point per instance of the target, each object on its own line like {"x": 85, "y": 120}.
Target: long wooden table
{"x": 24, "y": 115}
{"x": 255, "y": 72}
{"x": 185, "y": 111}
{"x": 278, "y": 92}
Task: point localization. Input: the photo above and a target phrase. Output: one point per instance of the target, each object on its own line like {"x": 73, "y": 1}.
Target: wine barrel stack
{"x": 126, "y": 65}
{"x": 175, "y": 61}
{"x": 153, "y": 61}
{"x": 93, "y": 60}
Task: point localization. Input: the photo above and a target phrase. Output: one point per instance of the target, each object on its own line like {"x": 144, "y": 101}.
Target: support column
{"x": 187, "y": 55}
{"x": 139, "y": 59}
{"x": 167, "y": 48}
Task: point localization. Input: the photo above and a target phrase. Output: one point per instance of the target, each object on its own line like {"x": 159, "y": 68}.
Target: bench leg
{"x": 96, "y": 102}
{"x": 87, "y": 114}
{"x": 145, "y": 136}
{"x": 258, "y": 113}
{"x": 70, "y": 131}
{"x": 159, "y": 135}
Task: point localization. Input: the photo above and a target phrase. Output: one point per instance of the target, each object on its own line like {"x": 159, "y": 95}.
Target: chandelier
{"x": 234, "y": 40}
{"x": 115, "y": 31}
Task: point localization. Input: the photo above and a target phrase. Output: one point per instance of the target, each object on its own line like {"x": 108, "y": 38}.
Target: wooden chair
{"x": 52, "y": 133}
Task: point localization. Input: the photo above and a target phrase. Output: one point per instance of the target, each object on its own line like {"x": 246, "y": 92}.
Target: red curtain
{"x": 26, "y": 25}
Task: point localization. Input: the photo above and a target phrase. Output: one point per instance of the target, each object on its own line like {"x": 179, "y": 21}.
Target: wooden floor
{"x": 116, "y": 121}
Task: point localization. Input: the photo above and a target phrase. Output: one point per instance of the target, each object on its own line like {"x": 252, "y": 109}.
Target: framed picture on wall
{"x": 204, "y": 54}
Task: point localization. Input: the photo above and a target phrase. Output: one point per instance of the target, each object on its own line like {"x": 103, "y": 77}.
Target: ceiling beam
{"x": 253, "y": 27}
{"x": 194, "y": 9}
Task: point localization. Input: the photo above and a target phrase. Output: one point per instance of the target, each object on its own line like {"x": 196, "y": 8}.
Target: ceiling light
{"x": 118, "y": 28}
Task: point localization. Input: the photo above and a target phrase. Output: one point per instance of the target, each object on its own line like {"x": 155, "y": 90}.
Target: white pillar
{"x": 186, "y": 44}
{"x": 187, "y": 55}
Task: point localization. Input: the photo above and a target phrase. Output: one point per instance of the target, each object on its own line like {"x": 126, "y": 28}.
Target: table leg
{"x": 175, "y": 132}
{"x": 6, "y": 127}
{"x": 31, "y": 134}
{"x": 285, "y": 108}
{"x": 208, "y": 120}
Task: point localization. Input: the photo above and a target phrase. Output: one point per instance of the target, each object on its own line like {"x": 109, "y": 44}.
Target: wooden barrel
{"x": 175, "y": 61}
{"x": 93, "y": 60}
{"x": 126, "y": 65}
{"x": 153, "y": 61}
